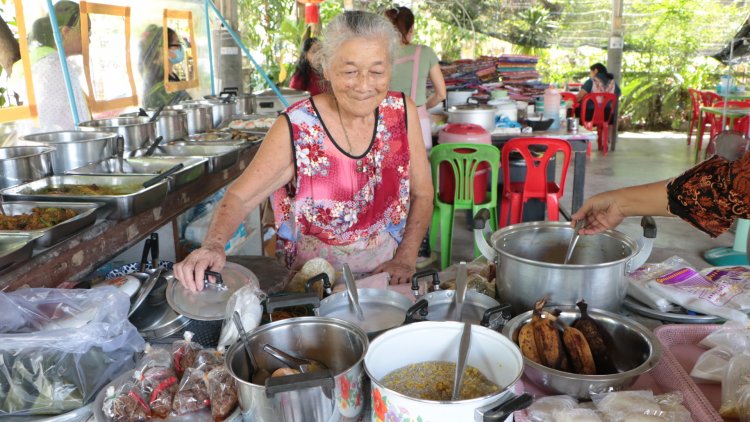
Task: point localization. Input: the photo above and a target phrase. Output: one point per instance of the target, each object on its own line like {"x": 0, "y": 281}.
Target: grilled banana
{"x": 527, "y": 344}
{"x": 547, "y": 338}
{"x": 578, "y": 349}
{"x": 596, "y": 340}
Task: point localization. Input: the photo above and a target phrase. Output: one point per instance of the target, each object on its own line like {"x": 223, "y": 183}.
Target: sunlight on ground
{"x": 653, "y": 135}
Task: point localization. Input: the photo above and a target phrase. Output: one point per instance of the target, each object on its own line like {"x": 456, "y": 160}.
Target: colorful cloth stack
{"x": 519, "y": 76}
{"x": 470, "y": 73}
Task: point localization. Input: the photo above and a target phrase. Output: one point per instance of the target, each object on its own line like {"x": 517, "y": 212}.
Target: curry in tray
{"x": 40, "y": 218}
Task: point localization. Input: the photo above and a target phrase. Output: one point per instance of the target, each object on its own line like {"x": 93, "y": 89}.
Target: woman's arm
{"x": 438, "y": 84}
{"x": 271, "y": 168}
{"x": 403, "y": 264}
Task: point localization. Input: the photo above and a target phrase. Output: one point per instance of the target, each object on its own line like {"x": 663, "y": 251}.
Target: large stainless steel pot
{"x": 199, "y": 116}
{"x": 482, "y": 115}
{"x": 267, "y": 102}
{"x": 529, "y": 264}
{"x": 244, "y": 104}
{"x": 74, "y": 149}
{"x": 633, "y": 348}
{"x": 138, "y": 132}
{"x": 171, "y": 124}
{"x": 24, "y": 164}
{"x": 221, "y": 108}
{"x": 333, "y": 395}
{"x": 493, "y": 354}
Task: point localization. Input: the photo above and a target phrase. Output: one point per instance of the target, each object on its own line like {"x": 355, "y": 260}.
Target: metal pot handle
{"x": 327, "y": 287}
{"x": 421, "y": 306}
{"x": 277, "y": 302}
{"x": 499, "y": 411}
{"x": 645, "y": 244}
{"x": 323, "y": 379}
{"x": 422, "y": 274}
{"x": 504, "y": 309}
{"x": 480, "y": 222}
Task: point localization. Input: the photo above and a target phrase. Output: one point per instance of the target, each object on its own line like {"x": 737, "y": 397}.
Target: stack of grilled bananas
{"x": 578, "y": 348}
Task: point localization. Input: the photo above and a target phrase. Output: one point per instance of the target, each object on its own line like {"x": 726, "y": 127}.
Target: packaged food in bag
{"x": 192, "y": 395}
{"x": 125, "y": 404}
{"x": 184, "y": 353}
{"x": 158, "y": 386}
{"x": 735, "y": 383}
{"x": 222, "y": 392}
{"x": 544, "y": 408}
{"x": 154, "y": 357}
{"x": 208, "y": 359}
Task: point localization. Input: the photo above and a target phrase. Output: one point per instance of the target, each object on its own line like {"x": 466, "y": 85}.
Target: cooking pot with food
{"x": 529, "y": 259}
{"x": 425, "y": 350}
{"x": 334, "y": 394}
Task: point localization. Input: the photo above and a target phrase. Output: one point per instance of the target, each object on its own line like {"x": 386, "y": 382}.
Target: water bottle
{"x": 552, "y": 100}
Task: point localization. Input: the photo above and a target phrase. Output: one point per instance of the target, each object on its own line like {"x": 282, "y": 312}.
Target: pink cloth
{"x": 341, "y": 207}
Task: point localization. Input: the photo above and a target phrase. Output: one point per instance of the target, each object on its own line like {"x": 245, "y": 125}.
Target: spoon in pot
{"x": 304, "y": 365}
{"x": 463, "y": 352}
{"x": 573, "y": 241}
{"x": 256, "y": 375}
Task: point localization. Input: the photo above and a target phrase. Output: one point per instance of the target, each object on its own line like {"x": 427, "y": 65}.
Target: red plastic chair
{"x": 708, "y": 99}
{"x": 719, "y": 124}
{"x": 573, "y": 98}
{"x": 516, "y": 194}
{"x": 600, "y": 118}
{"x": 696, "y": 101}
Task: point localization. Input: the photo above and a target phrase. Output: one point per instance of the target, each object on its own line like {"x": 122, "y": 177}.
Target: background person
{"x": 414, "y": 65}
{"x": 348, "y": 170}
{"x": 306, "y": 77}
{"x": 151, "y": 67}
{"x": 600, "y": 80}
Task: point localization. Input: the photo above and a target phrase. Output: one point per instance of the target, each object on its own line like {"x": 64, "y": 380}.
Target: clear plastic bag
{"x": 576, "y": 415}
{"x": 623, "y": 406}
{"x": 154, "y": 357}
{"x": 544, "y": 408}
{"x": 158, "y": 386}
{"x": 640, "y": 289}
{"x": 184, "y": 353}
{"x": 192, "y": 395}
{"x": 222, "y": 392}
{"x": 734, "y": 385}
{"x": 246, "y": 300}
{"x": 208, "y": 359}
{"x": 712, "y": 364}
{"x": 58, "y": 347}
{"x": 728, "y": 335}
{"x": 124, "y": 403}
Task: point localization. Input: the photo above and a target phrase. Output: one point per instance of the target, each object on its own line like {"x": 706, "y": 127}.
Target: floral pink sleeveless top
{"x": 343, "y": 208}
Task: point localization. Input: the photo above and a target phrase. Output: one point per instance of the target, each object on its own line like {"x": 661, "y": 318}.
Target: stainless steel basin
{"x": 75, "y": 149}
{"x": 24, "y": 164}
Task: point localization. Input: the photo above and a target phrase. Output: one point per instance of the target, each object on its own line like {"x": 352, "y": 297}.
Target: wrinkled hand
{"x": 600, "y": 212}
{"x": 399, "y": 270}
{"x": 190, "y": 272}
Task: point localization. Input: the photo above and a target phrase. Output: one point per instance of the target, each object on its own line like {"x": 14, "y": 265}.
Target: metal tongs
{"x": 351, "y": 288}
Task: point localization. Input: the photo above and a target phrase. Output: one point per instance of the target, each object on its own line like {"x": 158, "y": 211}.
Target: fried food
{"x": 40, "y": 218}
{"x": 86, "y": 190}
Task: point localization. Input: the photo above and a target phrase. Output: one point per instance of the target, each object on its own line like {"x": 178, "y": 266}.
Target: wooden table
{"x": 579, "y": 143}
{"x": 79, "y": 255}
{"x": 731, "y": 113}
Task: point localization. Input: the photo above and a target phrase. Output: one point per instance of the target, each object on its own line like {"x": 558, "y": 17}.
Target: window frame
{"x": 29, "y": 110}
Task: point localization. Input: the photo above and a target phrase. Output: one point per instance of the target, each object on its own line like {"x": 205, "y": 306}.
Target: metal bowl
{"x": 171, "y": 124}
{"x": 138, "y": 132}
{"x": 24, "y": 164}
{"x": 75, "y": 149}
{"x": 634, "y": 350}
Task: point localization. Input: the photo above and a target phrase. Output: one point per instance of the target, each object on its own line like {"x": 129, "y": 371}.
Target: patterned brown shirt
{"x": 712, "y": 194}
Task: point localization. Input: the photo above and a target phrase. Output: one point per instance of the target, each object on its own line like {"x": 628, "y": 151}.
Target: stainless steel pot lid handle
{"x": 322, "y": 379}
{"x": 218, "y": 285}
{"x": 501, "y": 411}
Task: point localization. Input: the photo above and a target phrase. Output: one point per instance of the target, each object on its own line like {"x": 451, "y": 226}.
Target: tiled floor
{"x": 639, "y": 158}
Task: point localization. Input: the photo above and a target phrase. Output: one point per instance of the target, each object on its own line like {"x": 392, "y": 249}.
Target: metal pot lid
{"x": 210, "y": 303}
{"x": 153, "y": 317}
{"x": 383, "y": 309}
{"x": 466, "y": 108}
{"x": 678, "y": 315}
{"x": 441, "y": 305}
{"x": 287, "y": 92}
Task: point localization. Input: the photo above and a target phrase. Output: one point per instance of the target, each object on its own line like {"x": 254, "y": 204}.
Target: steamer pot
{"x": 529, "y": 257}
{"x": 482, "y": 115}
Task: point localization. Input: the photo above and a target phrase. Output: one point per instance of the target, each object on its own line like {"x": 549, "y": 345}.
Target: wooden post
{"x": 614, "y": 57}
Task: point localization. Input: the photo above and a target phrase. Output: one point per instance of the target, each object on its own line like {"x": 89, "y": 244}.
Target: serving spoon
{"x": 463, "y": 352}
{"x": 573, "y": 241}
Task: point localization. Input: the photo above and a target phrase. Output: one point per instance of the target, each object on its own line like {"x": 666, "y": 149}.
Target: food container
{"x": 75, "y": 149}
{"x": 243, "y": 104}
{"x": 171, "y": 124}
{"x": 458, "y": 97}
{"x": 220, "y": 109}
{"x": 192, "y": 170}
{"x": 505, "y": 108}
{"x": 15, "y": 248}
{"x": 493, "y": 354}
{"x": 634, "y": 351}
{"x": 24, "y": 163}
{"x": 138, "y": 132}
{"x": 121, "y": 206}
{"x": 478, "y": 114}
{"x": 529, "y": 257}
{"x": 267, "y": 102}
{"x": 219, "y": 157}
{"x": 199, "y": 116}
{"x": 334, "y": 395}
{"x": 85, "y": 216}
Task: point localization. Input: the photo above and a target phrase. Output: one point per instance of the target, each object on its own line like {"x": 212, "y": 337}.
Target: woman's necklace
{"x": 346, "y": 135}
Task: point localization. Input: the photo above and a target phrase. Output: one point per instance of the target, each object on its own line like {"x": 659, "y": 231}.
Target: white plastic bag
{"x": 638, "y": 282}
{"x": 247, "y": 301}
{"x": 712, "y": 364}
{"x": 544, "y": 408}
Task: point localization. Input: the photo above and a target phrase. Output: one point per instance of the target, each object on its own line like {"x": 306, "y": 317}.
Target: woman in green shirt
{"x": 413, "y": 66}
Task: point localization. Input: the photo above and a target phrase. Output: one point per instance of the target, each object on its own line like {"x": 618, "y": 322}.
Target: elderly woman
{"x": 347, "y": 169}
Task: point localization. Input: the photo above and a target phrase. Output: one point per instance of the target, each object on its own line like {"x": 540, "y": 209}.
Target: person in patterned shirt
{"x": 709, "y": 196}
{"x": 347, "y": 170}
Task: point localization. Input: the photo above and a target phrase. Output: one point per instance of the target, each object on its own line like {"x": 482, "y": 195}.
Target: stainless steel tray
{"x": 246, "y": 117}
{"x": 227, "y": 143}
{"x": 121, "y": 206}
{"x": 15, "y": 248}
{"x": 49, "y": 236}
{"x": 193, "y": 169}
{"x": 219, "y": 157}
{"x": 678, "y": 316}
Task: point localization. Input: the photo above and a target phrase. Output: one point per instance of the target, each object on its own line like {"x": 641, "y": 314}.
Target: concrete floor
{"x": 640, "y": 158}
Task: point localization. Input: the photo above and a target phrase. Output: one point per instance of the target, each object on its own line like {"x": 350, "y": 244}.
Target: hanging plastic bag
{"x": 58, "y": 347}
{"x": 246, "y": 301}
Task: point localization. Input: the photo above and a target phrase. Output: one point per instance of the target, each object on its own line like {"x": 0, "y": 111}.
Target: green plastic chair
{"x": 463, "y": 160}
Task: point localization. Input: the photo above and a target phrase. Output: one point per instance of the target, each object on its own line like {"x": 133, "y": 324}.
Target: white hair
{"x": 355, "y": 24}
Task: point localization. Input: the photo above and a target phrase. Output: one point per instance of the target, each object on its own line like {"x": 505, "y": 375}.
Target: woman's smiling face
{"x": 360, "y": 74}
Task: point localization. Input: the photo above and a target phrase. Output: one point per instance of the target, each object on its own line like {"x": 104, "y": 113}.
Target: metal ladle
{"x": 573, "y": 241}
{"x": 463, "y": 352}
{"x": 256, "y": 375}
{"x": 304, "y": 365}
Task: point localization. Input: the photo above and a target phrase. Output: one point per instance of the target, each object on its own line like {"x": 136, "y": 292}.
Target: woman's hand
{"x": 191, "y": 271}
{"x": 400, "y": 270}
{"x": 599, "y": 213}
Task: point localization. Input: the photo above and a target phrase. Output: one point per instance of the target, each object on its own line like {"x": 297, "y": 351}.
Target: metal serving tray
{"x": 122, "y": 206}
{"x": 86, "y": 216}
{"x": 15, "y": 248}
{"x": 224, "y": 126}
{"x": 227, "y": 143}
{"x": 194, "y": 168}
{"x": 219, "y": 157}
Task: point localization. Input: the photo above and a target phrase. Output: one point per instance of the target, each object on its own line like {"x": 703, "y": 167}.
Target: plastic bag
{"x": 544, "y": 408}
{"x": 712, "y": 364}
{"x": 246, "y": 300}
{"x": 575, "y": 415}
{"x": 727, "y": 335}
{"x": 153, "y": 357}
{"x": 627, "y": 405}
{"x": 125, "y": 404}
{"x": 59, "y": 347}
{"x": 222, "y": 392}
{"x": 184, "y": 353}
{"x": 640, "y": 289}
{"x": 734, "y": 385}
{"x": 192, "y": 394}
{"x": 158, "y": 386}
{"x": 208, "y": 359}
